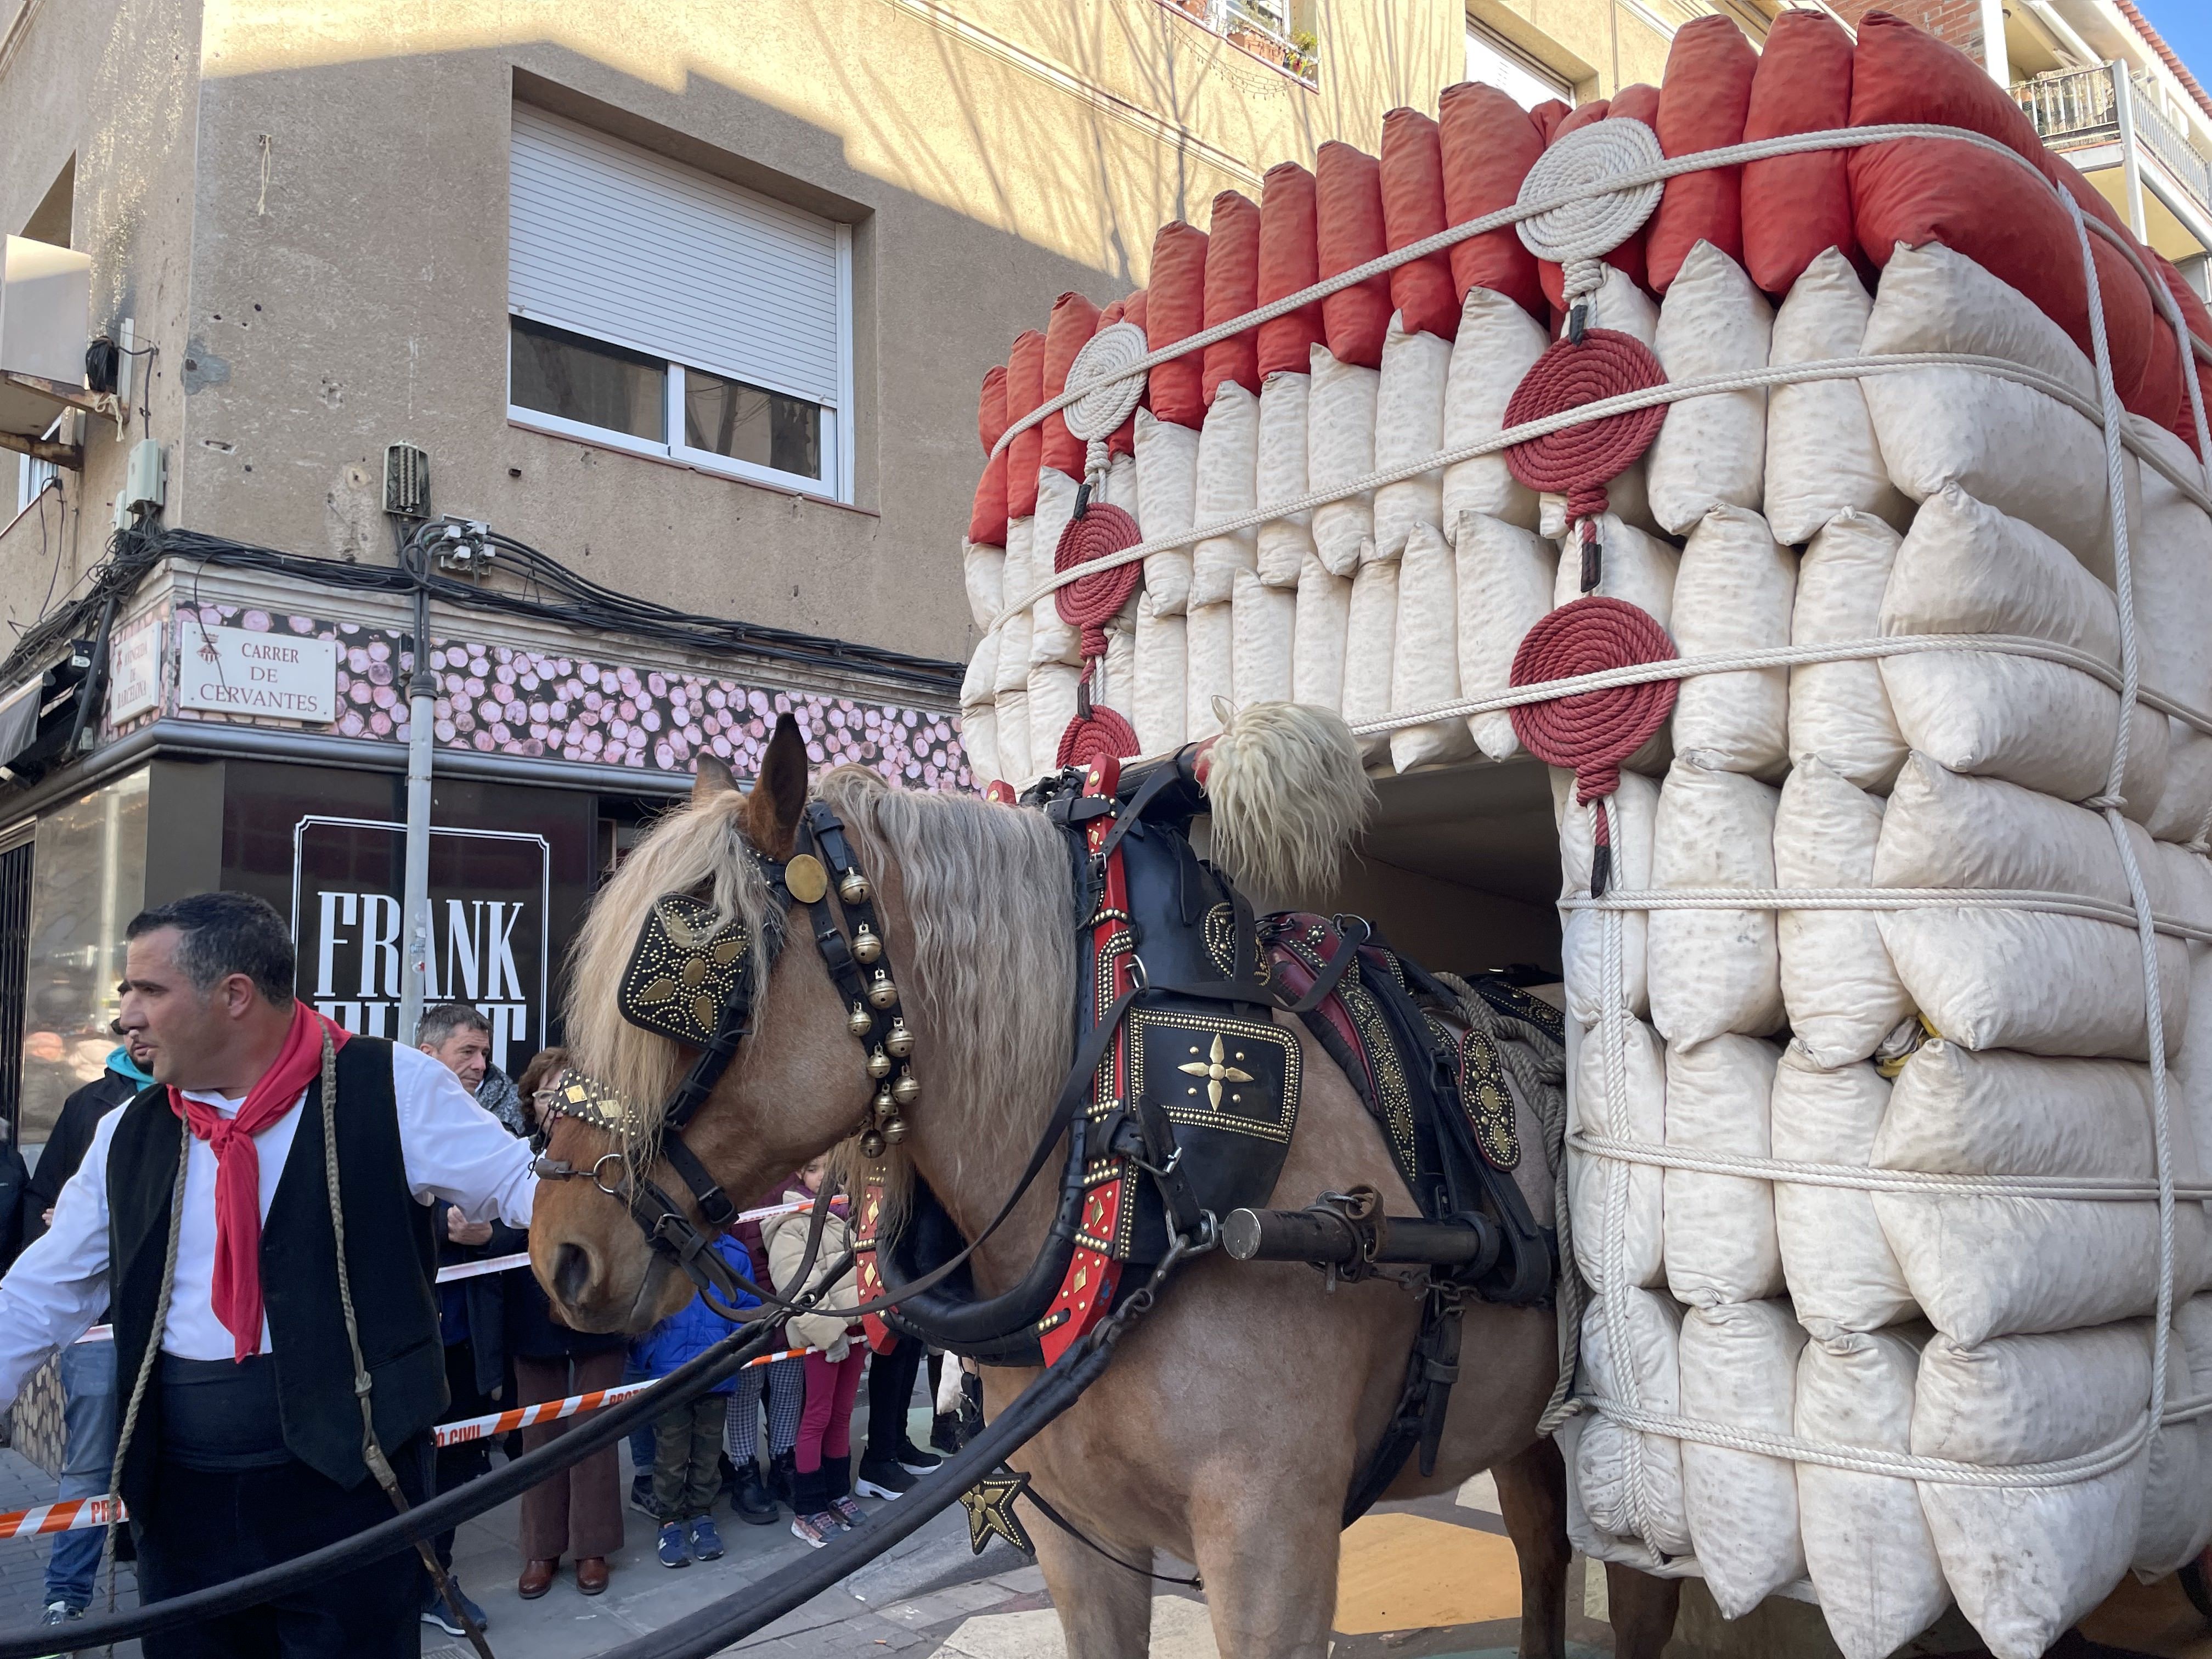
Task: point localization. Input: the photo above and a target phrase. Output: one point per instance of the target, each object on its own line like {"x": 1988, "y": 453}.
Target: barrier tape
{"x": 82, "y": 1514}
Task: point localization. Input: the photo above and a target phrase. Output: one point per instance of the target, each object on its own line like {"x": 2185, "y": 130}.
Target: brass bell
{"x": 860, "y": 1022}
{"x": 895, "y": 1131}
{"x": 881, "y": 992}
{"x": 905, "y": 1090}
{"x": 901, "y": 1041}
{"x": 879, "y": 1065}
{"x": 872, "y": 1144}
{"x": 852, "y": 888}
{"x": 884, "y": 1106}
{"x": 867, "y": 947}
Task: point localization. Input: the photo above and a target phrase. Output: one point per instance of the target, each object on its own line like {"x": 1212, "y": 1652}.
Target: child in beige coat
{"x": 822, "y": 1487}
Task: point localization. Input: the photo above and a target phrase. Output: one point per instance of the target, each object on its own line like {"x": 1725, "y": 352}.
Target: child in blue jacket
{"x": 688, "y": 1440}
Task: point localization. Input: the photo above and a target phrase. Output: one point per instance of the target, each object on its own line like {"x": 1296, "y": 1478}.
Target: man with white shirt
{"x": 247, "y": 1444}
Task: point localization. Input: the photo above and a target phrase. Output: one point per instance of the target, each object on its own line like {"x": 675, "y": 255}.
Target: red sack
{"x": 986, "y": 520}
{"x": 1546, "y": 116}
{"x": 1488, "y": 145}
{"x": 1638, "y": 102}
{"x": 1232, "y": 288}
{"x": 1123, "y": 440}
{"x": 1797, "y": 207}
{"x": 1703, "y": 104}
{"x": 1075, "y": 320}
{"x": 1899, "y": 73}
{"x": 1024, "y": 391}
{"x": 1348, "y": 229}
{"x": 1413, "y": 208}
{"x": 1290, "y": 259}
{"x": 1175, "y": 311}
{"x": 2198, "y": 319}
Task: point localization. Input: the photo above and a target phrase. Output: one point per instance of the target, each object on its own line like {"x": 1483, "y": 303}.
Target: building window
{"x": 1495, "y": 62}
{"x": 662, "y": 310}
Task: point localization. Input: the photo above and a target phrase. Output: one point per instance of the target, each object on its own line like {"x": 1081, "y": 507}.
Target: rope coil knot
{"x": 1579, "y": 461}
{"x": 1089, "y": 603}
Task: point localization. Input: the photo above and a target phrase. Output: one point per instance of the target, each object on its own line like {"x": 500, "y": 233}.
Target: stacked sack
{"x": 1862, "y": 1190}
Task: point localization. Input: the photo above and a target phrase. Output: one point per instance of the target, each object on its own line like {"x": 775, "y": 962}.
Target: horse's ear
{"x": 780, "y": 793}
{"x": 711, "y": 779}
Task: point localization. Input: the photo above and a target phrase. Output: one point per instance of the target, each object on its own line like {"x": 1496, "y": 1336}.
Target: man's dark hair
{"x": 438, "y": 1024}
{"x": 219, "y": 934}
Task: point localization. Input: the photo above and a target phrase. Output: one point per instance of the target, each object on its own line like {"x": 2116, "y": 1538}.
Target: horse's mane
{"x": 988, "y": 897}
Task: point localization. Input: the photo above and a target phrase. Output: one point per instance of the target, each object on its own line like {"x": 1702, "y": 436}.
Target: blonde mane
{"x": 990, "y": 907}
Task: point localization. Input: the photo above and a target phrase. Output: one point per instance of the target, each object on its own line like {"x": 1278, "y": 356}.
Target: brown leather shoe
{"x": 536, "y": 1578}
{"x": 591, "y": 1574}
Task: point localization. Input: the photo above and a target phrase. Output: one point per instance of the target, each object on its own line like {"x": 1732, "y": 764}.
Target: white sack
{"x": 1283, "y": 544}
{"x": 2170, "y": 556}
{"x": 1167, "y": 496}
{"x": 1212, "y": 644}
{"x": 1011, "y": 683}
{"x": 1619, "y": 1094}
{"x": 2177, "y": 1517}
{"x": 1630, "y": 1340}
{"x": 1264, "y": 622}
{"x": 1965, "y": 568}
{"x": 1713, "y": 970}
{"x": 1634, "y": 806}
{"x": 1739, "y": 1367}
{"x": 1711, "y": 451}
{"x": 979, "y": 716}
{"x": 1505, "y": 576}
{"x": 1121, "y": 488}
{"x": 1842, "y": 1275}
{"x": 1228, "y": 487}
{"x": 1409, "y": 425}
{"x": 2021, "y": 451}
{"x": 1116, "y": 683}
{"x": 1620, "y": 304}
{"x": 1982, "y": 1266}
{"x": 2025, "y": 1563}
{"x": 1720, "y": 1236}
{"x": 1425, "y": 667}
{"x": 1162, "y": 668}
{"x": 1839, "y": 711}
{"x": 1635, "y": 567}
{"x": 1497, "y": 341}
{"x": 983, "y": 568}
{"x": 1733, "y": 592}
{"x": 1371, "y": 645}
{"x": 1051, "y": 640}
{"x": 1053, "y": 687}
{"x": 1324, "y": 613}
{"x": 1340, "y": 447}
{"x": 2003, "y": 978}
{"x": 1838, "y": 986}
{"x": 1867, "y": 1544}
{"x": 1821, "y": 456}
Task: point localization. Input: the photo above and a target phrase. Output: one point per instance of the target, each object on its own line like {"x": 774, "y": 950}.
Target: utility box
{"x": 145, "y": 483}
{"x": 46, "y": 300}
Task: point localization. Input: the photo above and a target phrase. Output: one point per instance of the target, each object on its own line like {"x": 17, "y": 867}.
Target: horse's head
{"x": 588, "y": 1251}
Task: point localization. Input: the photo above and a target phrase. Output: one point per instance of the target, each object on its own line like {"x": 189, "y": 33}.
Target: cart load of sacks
{"x": 1892, "y": 1096}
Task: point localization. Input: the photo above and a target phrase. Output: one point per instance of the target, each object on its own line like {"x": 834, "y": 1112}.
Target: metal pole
{"x": 2124, "y": 112}
{"x": 421, "y": 696}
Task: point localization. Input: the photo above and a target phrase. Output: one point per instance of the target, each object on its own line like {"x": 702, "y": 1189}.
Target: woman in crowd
{"x": 821, "y": 1483}
{"x": 577, "y": 1513}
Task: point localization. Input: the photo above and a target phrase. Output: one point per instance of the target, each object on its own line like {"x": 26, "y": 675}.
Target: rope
{"x": 147, "y": 1360}
{"x": 1886, "y": 898}
{"x": 1579, "y": 461}
{"x": 1880, "y": 1178}
{"x": 1589, "y": 164}
{"x": 1092, "y": 599}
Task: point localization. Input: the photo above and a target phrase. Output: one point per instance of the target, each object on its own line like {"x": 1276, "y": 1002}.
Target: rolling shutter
{"x": 613, "y": 241}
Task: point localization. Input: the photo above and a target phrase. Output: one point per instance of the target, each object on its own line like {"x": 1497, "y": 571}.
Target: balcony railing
{"x": 1259, "y": 27}
{"x": 2081, "y": 107}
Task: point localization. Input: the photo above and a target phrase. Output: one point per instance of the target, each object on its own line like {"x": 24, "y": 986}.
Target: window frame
{"x": 1560, "y": 86}
{"x": 836, "y": 485}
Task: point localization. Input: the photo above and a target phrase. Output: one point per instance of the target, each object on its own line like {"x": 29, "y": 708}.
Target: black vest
{"x": 391, "y": 1251}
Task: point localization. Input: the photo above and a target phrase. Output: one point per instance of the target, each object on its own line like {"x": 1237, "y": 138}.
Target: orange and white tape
{"x": 74, "y": 1515}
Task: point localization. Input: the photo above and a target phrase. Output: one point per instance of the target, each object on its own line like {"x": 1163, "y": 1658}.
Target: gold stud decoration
{"x": 990, "y": 1506}
{"x": 806, "y": 878}
{"x": 852, "y": 888}
{"x": 881, "y": 992}
{"x": 867, "y": 947}
{"x": 686, "y": 966}
{"x": 900, "y": 1043}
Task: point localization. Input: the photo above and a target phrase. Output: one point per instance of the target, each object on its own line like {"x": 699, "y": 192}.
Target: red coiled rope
{"x": 1579, "y": 461}
{"x": 1089, "y": 603}
{"x": 1592, "y": 731}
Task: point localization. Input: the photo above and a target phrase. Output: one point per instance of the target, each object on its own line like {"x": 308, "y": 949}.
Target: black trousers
{"x": 891, "y": 1390}
{"x": 460, "y": 1464}
{"x": 202, "y": 1526}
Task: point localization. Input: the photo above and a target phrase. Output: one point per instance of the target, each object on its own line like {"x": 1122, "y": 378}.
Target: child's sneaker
{"x": 815, "y": 1530}
{"x": 849, "y": 1512}
{"x": 706, "y": 1541}
{"x": 673, "y": 1550}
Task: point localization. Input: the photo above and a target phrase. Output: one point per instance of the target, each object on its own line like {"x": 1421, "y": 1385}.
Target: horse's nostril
{"x": 572, "y": 1272}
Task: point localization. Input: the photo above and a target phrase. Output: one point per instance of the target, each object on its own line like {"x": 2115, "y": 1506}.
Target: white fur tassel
{"x": 1288, "y": 797}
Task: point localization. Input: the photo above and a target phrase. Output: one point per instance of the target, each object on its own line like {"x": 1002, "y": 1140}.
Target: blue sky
{"x": 2187, "y": 26}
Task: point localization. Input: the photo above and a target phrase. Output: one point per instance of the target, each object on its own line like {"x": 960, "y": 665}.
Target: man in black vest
{"x": 247, "y": 1443}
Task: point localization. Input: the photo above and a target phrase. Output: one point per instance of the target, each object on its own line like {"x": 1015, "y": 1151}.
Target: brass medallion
{"x": 806, "y": 878}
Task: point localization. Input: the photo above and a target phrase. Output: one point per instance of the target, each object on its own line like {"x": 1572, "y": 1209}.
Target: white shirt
{"x": 452, "y": 1149}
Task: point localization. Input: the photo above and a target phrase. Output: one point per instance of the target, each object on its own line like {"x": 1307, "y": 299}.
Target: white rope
{"x": 1885, "y": 898}
{"x": 1602, "y": 216}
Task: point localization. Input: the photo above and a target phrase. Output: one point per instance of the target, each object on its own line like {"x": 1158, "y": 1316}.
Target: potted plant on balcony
{"x": 1300, "y": 58}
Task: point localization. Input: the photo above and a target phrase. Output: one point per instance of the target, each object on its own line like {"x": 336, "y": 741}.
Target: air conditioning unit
{"x": 46, "y": 300}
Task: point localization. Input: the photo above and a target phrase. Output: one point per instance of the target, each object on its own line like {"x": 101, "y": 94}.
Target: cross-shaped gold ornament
{"x": 1216, "y": 1070}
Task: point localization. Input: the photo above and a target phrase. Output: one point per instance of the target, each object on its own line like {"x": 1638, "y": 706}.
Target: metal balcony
{"x": 2080, "y": 109}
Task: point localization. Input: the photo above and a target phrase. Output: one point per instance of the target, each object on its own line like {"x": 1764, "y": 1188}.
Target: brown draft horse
{"x": 1230, "y": 1425}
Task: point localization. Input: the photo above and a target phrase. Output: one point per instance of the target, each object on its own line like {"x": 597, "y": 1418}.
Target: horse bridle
{"x": 699, "y": 990}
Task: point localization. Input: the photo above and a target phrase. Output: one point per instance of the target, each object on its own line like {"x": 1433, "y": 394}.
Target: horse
{"x": 1233, "y": 1419}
